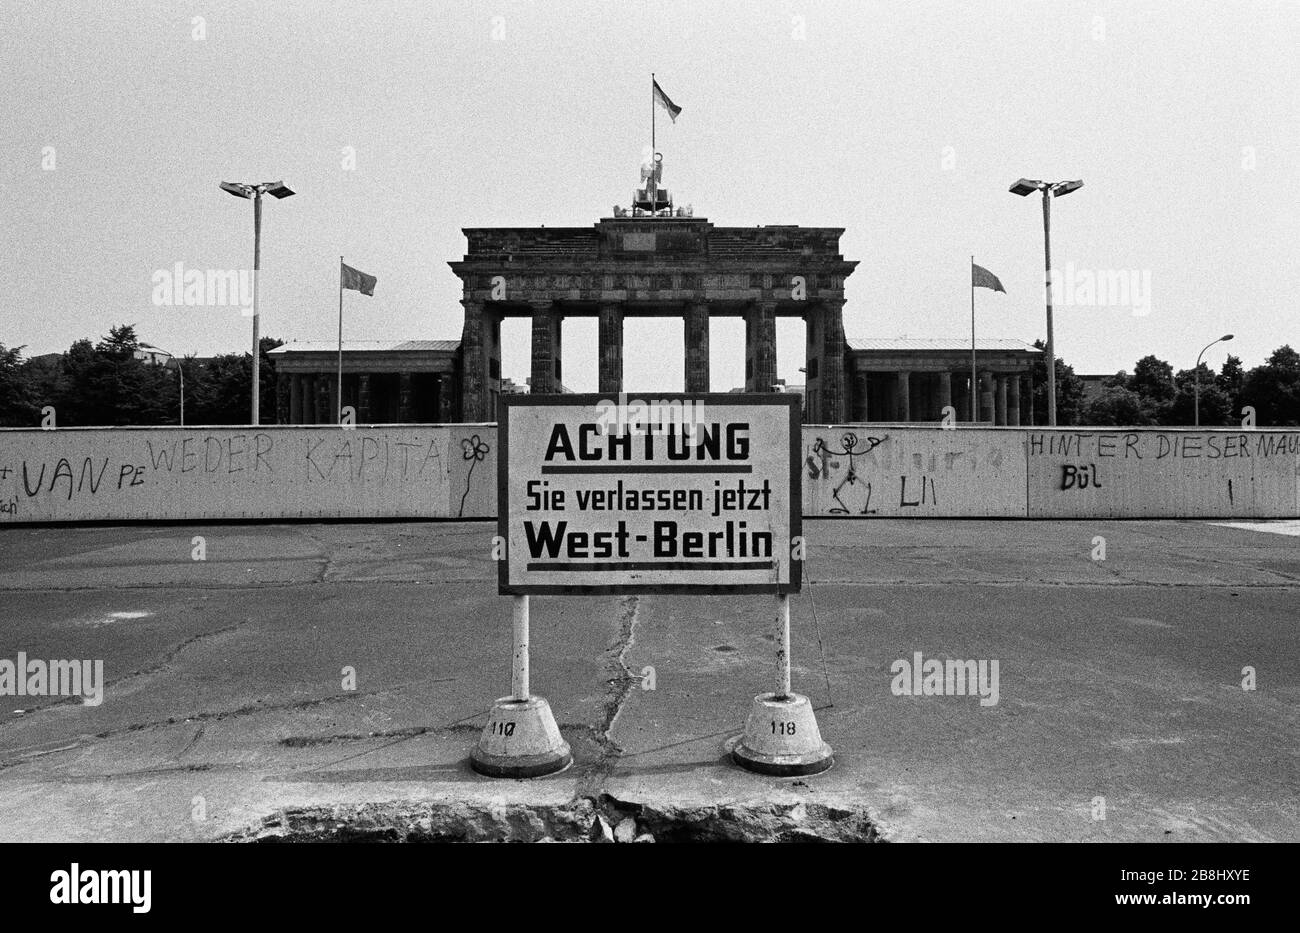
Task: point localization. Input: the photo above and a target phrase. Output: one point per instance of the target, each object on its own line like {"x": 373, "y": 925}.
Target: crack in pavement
{"x": 619, "y": 680}
{"x": 171, "y": 655}
{"x": 37, "y": 751}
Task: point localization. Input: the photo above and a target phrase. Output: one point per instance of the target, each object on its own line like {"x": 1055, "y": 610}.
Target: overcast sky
{"x": 903, "y": 123}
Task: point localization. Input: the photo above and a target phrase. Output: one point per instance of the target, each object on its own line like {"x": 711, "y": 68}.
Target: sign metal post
{"x": 521, "y": 739}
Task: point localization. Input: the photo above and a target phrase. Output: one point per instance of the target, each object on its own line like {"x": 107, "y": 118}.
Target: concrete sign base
{"x": 521, "y": 740}
{"x": 781, "y": 738}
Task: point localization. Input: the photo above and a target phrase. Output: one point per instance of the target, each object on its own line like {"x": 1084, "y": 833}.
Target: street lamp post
{"x": 276, "y": 189}
{"x": 1196, "y": 373}
{"x": 1050, "y": 189}
{"x": 179, "y": 369}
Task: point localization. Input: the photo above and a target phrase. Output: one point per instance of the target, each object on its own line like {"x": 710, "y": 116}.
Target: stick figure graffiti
{"x": 859, "y": 490}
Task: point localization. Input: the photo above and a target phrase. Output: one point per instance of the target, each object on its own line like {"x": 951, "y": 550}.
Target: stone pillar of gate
{"x": 1000, "y": 400}
{"x": 903, "y": 403}
{"x": 986, "y": 397}
{"x": 405, "y": 397}
{"x": 309, "y": 399}
{"x": 363, "y": 398}
{"x": 832, "y": 365}
{"x": 860, "y": 399}
{"x": 446, "y": 398}
{"x": 322, "y": 384}
{"x": 473, "y": 360}
{"x": 546, "y": 348}
{"x": 760, "y": 347}
{"x": 610, "y": 353}
{"x": 1030, "y": 405}
{"x": 696, "y": 333}
{"x": 1013, "y": 400}
{"x": 282, "y": 398}
{"x": 945, "y": 391}
{"x": 295, "y": 399}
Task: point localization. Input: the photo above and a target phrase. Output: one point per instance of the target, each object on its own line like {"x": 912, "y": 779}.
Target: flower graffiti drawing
{"x": 473, "y": 449}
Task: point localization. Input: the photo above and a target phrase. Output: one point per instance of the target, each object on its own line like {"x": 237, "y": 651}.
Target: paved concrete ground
{"x": 1118, "y": 678}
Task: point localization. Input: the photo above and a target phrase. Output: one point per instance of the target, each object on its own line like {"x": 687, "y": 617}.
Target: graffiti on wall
{"x": 474, "y": 450}
{"x": 98, "y": 474}
{"x": 1162, "y": 473}
{"x": 853, "y": 484}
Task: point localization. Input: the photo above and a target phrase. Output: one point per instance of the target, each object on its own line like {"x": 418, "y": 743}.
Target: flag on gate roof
{"x": 355, "y": 279}
{"x": 983, "y": 278}
{"x": 662, "y": 98}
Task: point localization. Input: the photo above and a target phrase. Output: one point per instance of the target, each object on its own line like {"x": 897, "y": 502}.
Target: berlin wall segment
{"x": 147, "y": 474}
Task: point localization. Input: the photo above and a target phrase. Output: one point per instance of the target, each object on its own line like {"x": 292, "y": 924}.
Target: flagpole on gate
{"x": 974, "y": 385}
{"x": 654, "y": 183}
{"x": 338, "y": 412}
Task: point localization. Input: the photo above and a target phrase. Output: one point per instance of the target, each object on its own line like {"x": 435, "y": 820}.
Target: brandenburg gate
{"x": 654, "y": 263}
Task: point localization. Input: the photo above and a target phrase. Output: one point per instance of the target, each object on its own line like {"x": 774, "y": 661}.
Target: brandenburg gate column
{"x": 610, "y": 352}
{"x": 860, "y": 399}
{"x": 696, "y": 331}
{"x": 903, "y": 402}
{"x": 945, "y": 391}
{"x": 760, "y": 347}
{"x": 363, "y": 398}
{"x": 473, "y": 383}
{"x": 1013, "y": 400}
{"x": 546, "y": 348}
{"x": 986, "y": 397}
{"x": 832, "y": 364}
{"x": 295, "y": 400}
{"x": 1000, "y": 406}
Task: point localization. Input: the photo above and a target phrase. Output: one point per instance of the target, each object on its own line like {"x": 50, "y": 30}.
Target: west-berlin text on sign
{"x": 683, "y": 493}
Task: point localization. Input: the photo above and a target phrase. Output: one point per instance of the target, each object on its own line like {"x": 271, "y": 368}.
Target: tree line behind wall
{"x": 1153, "y": 394}
{"x": 109, "y": 383}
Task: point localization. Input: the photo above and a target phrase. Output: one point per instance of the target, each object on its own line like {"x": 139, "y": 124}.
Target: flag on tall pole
{"x": 983, "y": 278}
{"x": 979, "y": 278}
{"x": 662, "y": 99}
{"x": 357, "y": 281}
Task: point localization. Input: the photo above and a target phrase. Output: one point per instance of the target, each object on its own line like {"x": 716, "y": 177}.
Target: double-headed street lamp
{"x": 1050, "y": 189}
{"x": 1197, "y": 373}
{"x": 179, "y": 369}
{"x": 277, "y": 189}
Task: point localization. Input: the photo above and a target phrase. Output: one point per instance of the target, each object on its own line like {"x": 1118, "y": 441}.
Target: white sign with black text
{"x": 671, "y": 494}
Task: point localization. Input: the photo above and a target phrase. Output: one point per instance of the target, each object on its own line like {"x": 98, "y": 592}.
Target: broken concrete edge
{"x": 602, "y": 818}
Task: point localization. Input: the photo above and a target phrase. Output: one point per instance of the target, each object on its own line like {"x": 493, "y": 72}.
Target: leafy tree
{"x": 1153, "y": 379}
{"x": 219, "y": 391}
{"x": 1273, "y": 389}
{"x": 1216, "y": 404}
{"x": 17, "y": 406}
{"x": 1069, "y": 390}
{"x": 1116, "y": 405}
{"x": 1230, "y": 377}
{"x": 110, "y": 384}
{"x": 45, "y": 383}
